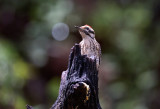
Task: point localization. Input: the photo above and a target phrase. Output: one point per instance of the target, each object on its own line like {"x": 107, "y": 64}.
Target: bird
{"x": 89, "y": 45}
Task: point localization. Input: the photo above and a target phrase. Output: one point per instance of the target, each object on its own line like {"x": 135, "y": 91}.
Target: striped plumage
{"x": 89, "y": 45}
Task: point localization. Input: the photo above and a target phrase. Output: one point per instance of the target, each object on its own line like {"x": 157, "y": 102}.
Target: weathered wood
{"x": 79, "y": 83}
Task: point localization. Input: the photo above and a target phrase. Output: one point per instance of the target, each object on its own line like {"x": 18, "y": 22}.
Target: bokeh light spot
{"x": 60, "y": 31}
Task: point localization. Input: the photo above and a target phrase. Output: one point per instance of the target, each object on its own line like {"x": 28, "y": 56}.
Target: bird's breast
{"x": 88, "y": 48}
{"x": 92, "y": 49}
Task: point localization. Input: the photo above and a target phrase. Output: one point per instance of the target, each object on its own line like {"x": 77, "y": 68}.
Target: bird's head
{"x": 86, "y": 31}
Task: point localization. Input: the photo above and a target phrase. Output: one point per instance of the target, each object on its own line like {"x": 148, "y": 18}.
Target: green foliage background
{"x": 31, "y": 61}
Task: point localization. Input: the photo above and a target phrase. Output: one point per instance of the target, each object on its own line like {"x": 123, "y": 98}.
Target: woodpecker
{"x": 89, "y": 45}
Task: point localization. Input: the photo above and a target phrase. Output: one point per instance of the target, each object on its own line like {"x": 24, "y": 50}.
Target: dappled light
{"x": 60, "y": 31}
{"x": 36, "y": 37}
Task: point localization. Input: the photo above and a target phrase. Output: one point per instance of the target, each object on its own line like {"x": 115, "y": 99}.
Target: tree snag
{"x": 79, "y": 83}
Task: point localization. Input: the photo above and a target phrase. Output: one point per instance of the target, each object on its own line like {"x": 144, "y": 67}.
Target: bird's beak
{"x": 76, "y": 26}
{"x": 79, "y": 28}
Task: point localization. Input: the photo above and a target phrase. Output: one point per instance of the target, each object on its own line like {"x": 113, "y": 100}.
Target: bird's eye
{"x": 87, "y": 28}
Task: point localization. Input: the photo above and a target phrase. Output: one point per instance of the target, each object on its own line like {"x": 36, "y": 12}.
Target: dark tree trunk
{"x": 79, "y": 83}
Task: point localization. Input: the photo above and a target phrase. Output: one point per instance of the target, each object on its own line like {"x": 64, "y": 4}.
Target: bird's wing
{"x": 99, "y": 51}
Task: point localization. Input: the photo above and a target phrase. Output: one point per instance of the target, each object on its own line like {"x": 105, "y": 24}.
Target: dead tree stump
{"x": 79, "y": 83}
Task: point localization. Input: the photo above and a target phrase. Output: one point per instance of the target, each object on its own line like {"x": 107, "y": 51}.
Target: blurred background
{"x": 35, "y": 41}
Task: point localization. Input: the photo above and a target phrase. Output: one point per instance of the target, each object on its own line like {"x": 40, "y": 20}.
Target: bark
{"x": 79, "y": 83}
